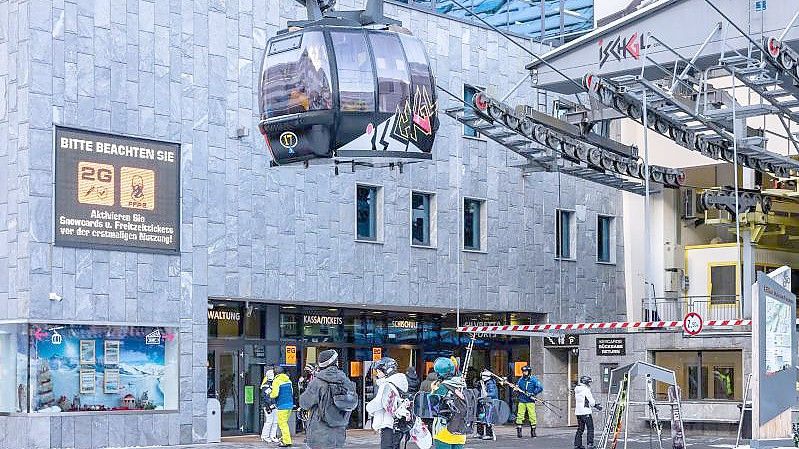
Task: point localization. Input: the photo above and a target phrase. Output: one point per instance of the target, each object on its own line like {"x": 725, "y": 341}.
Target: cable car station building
{"x": 151, "y": 257}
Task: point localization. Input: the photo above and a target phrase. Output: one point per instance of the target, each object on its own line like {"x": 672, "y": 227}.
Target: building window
{"x": 367, "y": 208}
{"x": 605, "y": 239}
{"x": 468, "y": 97}
{"x": 473, "y": 224}
{"x": 421, "y": 219}
{"x": 707, "y": 374}
{"x": 565, "y": 235}
{"x": 723, "y": 284}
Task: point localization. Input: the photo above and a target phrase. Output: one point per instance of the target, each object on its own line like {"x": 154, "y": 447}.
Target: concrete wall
{"x": 187, "y": 71}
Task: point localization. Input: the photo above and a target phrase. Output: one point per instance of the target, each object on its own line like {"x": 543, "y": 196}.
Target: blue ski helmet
{"x": 444, "y": 367}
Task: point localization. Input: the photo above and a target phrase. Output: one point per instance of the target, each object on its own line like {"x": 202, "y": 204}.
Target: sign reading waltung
{"x": 116, "y": 192}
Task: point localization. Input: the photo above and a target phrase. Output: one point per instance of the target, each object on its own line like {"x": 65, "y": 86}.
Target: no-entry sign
{"x": 692, "y": 323}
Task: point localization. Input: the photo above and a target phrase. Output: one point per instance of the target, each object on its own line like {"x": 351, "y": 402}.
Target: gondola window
{"x": 355, "y": 73}
{"x": 296, "y": 77}
{"x": 392, "y": 74}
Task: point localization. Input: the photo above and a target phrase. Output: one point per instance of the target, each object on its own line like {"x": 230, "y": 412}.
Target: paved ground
{"x": 558, "y": 438}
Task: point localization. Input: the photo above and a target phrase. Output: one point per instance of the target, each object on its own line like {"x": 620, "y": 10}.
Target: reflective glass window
{"x": 420, "y": 218}
{"x": 604, "y": 236}
{"x": 393, "y": 81}
{"x": 417, "y": 62}
{"x": 296, "y": 76}
{"x": 471, "y": 224}
{"x": 468, "y": 97}
{"x": 564, "y": 223}
{"x": 366, "y": 212}
{"x": 355, "y": 74}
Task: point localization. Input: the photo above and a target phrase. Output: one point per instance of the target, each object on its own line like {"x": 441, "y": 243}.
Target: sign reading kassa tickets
{"x": 116, "y": 192}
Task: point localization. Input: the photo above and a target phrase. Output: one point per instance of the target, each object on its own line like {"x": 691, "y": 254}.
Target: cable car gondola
{"x": 346, "y": 85}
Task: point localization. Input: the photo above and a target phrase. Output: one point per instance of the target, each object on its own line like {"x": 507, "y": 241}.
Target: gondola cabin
{"x": 335, "y": 88}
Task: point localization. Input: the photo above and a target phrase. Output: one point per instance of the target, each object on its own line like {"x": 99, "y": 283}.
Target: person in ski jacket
{"x": 442, "y": 437}
{"x": 413, "y": 380}
{"x": 488, "y": 392}
{"x": 583, "y": 402}
{"x": 318, "y": 434}
{"x": 269, "y": 431}
{"x": 283, "y": 394}
{"x": 529, "y": 387}
{"x": 384, "y": 408}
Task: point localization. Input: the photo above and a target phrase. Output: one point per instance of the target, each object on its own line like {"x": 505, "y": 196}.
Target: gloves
{"x": 598, "y": 407}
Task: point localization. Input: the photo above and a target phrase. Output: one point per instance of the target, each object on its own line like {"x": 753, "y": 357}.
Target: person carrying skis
{"x": 488, "y": 392}
{"x": 386, "y": 407}
{"x": 583, "y": 403}
{"x": 528, "y": 388}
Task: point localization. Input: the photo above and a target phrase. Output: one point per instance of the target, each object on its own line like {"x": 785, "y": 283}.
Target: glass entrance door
{"x": 228, "y": 385}
{"x": 572, "y": 377}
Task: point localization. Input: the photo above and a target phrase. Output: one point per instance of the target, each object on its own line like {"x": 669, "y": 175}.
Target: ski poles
{"x": 546, "y": 404}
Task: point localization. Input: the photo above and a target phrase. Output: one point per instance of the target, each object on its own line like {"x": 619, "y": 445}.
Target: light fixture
{"x": 288, "y": 307}
{"x": 55, "y": 297}
{"x": 572, "y": 13}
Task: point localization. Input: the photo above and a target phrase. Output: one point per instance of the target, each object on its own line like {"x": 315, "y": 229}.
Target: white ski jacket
{"x": 383, "y": 406}
{"x": 583, "y": 396}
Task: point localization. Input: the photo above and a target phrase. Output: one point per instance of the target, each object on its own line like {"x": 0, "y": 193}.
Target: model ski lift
{"x": 347, "y": 85}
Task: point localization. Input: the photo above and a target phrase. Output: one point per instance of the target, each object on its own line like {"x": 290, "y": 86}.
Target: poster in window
{"x": 116, "y": 192}
{"x": 111, "y": 380}
{"x": 87, "y": 352}
{"x": 87, "y": 378}
{"x": 111, "y": 354}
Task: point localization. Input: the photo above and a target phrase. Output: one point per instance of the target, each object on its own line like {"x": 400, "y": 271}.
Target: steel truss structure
{"x": 551, "y": 144}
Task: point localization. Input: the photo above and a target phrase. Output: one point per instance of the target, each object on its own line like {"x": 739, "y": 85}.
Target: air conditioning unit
{"x": 674, "y": 281}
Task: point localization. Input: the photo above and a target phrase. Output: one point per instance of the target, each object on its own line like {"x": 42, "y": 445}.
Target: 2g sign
{"x": 96, "y": 184}
{"x": 89, "y": 173}
{"x": 291, "y": 355}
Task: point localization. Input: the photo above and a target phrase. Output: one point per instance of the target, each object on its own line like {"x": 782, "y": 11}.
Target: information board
{"x": 116, "y": 192}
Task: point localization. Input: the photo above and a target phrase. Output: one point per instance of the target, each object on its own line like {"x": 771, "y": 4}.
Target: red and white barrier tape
{"x": 666, "y": 325}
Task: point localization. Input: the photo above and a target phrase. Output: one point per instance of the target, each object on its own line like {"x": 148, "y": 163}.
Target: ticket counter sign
{"x": 291, "y": 355}
{"x": 116, "y": 192}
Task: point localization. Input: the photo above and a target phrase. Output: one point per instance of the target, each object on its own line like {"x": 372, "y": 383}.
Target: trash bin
{"x": 746, "y": 425}
{"x": 214, "y": 421}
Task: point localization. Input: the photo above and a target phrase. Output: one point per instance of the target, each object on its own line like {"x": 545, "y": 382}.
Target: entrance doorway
{"x": 572, "y": 376}
{"x": 234, "y": 377}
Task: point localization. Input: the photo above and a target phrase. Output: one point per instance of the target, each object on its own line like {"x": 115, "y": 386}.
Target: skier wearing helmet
{"x": 528, "y": 387}
{"x": 488, "y": 392}
{"x": 583, "y": 402}
{"x": 386, "y": 407}
{"x": 447, "y": 431}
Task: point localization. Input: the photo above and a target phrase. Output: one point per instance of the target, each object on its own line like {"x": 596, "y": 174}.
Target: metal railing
{"x": 719, "y": 307}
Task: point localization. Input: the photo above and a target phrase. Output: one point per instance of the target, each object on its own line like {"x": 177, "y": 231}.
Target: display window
{"x": 703, "y": 375}
{"x": 13, "y": 368}
{"x": 88, "y": 368}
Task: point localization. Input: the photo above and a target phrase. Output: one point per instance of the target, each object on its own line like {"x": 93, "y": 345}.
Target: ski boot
{"x": 532, "y": 432}
{"x": 519, "y": 431}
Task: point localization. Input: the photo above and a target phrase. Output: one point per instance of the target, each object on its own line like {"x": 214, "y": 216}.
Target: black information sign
{"x": 611, "y": 346}
{"x": 562, "y": 341}
{"x": 116, "y": 192}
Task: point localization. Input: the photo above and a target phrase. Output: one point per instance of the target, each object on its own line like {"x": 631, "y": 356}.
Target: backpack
{"x": 461, "y": 409}
{"x": 401, "y": 408}
{"x": 337, "y": 403}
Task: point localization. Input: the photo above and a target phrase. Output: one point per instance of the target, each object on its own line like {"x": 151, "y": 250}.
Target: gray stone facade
{"x": 187, "y": 71}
